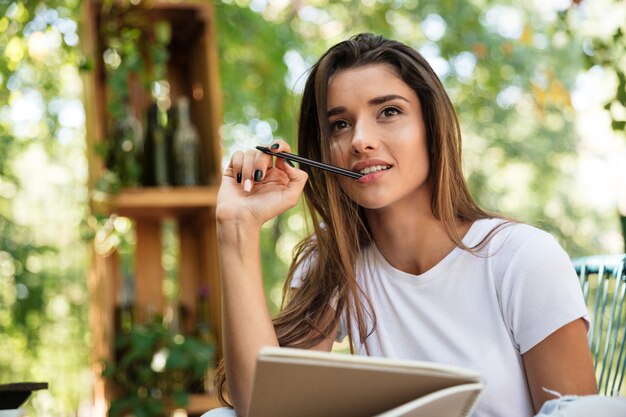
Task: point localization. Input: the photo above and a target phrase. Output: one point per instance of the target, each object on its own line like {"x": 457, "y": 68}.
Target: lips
{"x": 374, "y": 168}
{"x": 371, "y": 165}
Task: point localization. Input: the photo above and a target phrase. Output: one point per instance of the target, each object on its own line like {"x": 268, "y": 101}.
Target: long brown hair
{"x": 329, "y": 287}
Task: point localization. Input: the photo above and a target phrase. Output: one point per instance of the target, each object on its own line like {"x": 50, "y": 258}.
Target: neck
{"x": 411, "y": 240}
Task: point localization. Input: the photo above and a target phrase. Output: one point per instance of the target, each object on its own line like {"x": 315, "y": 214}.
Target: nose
{"x": 364, "y": 138}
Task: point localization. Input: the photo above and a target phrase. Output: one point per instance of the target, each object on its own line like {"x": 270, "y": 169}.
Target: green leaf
{"x": 177, "y": 360}
{"x": 163, "y": 32}
{"x": 121, "y": 406}
{"x": 621, "y": 88}
{"x": 181, "y": 398}
{"x": 618, "y": 125}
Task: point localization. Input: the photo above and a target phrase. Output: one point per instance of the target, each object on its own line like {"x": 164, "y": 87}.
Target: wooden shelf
{"x": 192, "y": 71}
{"x": 159, "y": 202}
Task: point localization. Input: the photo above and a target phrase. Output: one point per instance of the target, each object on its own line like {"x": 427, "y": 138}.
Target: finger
{"x": 261, "y": 163}
{"x": 236, "y": 163}
{"x": 297, "y": 177}
{"x": 280, "y": 145}
{"x": 247, "y": 169}
{"x": 281, "y": 162}
{"x": 295, "y": 185}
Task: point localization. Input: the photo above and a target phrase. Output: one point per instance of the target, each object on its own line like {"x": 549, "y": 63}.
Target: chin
{"x": 371, "y": 204}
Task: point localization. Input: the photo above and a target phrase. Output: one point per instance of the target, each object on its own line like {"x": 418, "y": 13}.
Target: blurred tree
{"x": 604, "y": 47}
{"x": 42, "y": 266}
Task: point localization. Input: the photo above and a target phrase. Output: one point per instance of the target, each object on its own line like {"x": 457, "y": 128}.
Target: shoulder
{"x": 518, "y": 253}
{"x": 510, "y": 239}
{"x": 526, "y": 259}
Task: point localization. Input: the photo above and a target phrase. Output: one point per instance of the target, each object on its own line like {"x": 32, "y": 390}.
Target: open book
{"x": 301, "y": 383}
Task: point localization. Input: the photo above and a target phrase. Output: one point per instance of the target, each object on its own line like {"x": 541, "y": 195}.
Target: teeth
{"x": 374, "y": 169}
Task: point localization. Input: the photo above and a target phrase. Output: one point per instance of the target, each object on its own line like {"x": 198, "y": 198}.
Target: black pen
{"x": 296, "y": 158}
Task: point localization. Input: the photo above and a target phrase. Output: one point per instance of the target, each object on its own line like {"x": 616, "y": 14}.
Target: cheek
{"x": 418, "y": 143}
{"x": 338, "y": 154}
{"x": 422, "y": 162}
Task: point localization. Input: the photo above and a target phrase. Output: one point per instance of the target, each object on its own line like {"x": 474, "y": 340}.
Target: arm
{"x": 242, "y": 208}
{"x": 246, "y": 321}
{"x": 247, "y": 325}
{"x": 561, "y": 362}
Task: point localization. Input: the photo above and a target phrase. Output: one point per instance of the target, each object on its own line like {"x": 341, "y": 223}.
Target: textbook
{"x": 301, "y": 383}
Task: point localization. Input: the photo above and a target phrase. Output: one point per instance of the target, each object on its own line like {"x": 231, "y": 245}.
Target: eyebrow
{"x": 372, "y": 102}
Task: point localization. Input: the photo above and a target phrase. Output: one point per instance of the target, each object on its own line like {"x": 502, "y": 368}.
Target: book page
{"x": 458, "y": 401}
{"x": 294, "y": 382}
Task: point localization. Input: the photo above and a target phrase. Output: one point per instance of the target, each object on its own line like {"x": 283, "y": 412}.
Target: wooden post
{"x": 190, "y": 271}
{"x": 149, "y": 299}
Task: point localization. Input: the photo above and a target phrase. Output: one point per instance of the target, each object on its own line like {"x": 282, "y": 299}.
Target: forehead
{"x": 366, "y": 82}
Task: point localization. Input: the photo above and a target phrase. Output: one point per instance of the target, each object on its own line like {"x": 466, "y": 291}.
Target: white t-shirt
{"x": 479, "y": 312}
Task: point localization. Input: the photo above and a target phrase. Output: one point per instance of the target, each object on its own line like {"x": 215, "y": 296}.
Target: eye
{"x": 390, "y": 111}
{"x": 338, "y": 125}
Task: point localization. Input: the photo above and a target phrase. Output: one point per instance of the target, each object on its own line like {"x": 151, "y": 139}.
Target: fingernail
{"x": 290, "y": 163}
{"x": 275, "y": 146}
{"x": 239, "y": 178}
{"x": 247, "y": 185}
{"x": 258, "y": 175}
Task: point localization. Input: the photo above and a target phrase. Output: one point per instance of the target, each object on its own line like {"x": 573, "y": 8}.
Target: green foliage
{"x": 42, "y": 287}
{"x": 155, "y": 369}
{"x": 608, "y": 50}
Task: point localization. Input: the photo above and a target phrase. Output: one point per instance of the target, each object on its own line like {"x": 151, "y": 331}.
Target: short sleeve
{"x": 540, "y": 291}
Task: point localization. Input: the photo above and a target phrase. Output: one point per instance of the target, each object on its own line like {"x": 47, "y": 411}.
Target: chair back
{"x": 603, "y": 281}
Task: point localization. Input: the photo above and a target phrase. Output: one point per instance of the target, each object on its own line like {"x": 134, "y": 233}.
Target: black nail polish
{"x": 258, "y": 175}
{"x": 275, "y": 146}
{"x": 239, "y": 178}
{"x": 290, "y": 163}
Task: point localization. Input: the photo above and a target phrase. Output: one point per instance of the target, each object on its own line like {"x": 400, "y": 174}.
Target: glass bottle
{"x": 186, "y": 147}
{"x": 128, "y": 139}
{"x": 156, "y": 142}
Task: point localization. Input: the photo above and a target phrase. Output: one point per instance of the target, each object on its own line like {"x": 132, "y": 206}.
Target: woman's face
{"x": 376, "y": 128}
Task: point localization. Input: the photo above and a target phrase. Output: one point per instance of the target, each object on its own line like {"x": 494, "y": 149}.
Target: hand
{"x": 278, "y": 187}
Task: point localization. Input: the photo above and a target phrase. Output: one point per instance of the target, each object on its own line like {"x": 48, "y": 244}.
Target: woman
{"x": 402, "y": 260}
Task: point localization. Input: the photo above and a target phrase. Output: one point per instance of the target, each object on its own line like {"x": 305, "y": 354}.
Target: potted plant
{"x": 155, "y": 370}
